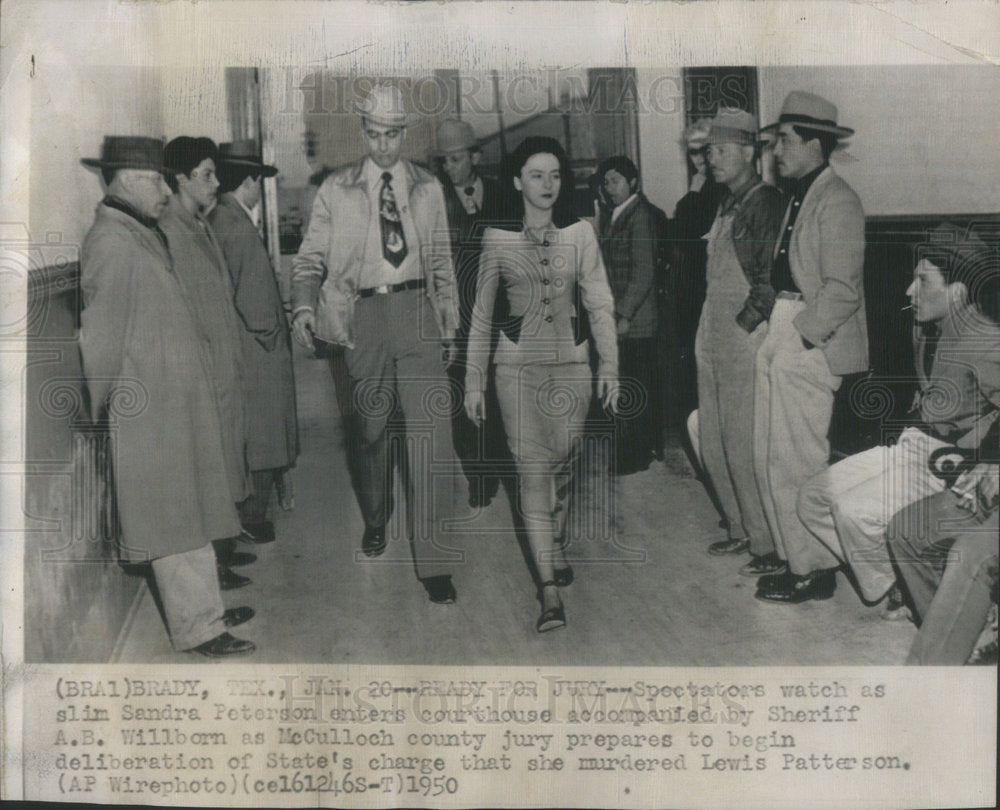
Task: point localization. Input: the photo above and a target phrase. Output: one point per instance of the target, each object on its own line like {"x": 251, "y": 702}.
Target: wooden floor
{"x": 651, "y": 597}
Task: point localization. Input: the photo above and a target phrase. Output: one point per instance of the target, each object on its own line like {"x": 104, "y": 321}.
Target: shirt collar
{"x": 733, "y": 196}
{"x": 801, "y": 186}
{"x": 373, "y": 174}
{"x": 616, "y": 211}
{"x": 247, "y": 211}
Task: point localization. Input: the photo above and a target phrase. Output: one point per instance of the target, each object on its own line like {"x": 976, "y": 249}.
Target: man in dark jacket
{"x": 630, "y": 236}
{"x": 268, "y": 384}
{"x": 473, "y": 203}
{"x": 148, "y": 373}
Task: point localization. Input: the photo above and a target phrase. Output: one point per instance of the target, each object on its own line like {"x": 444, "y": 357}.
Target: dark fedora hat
{"x": 129, "y": 152}
{"x": 245, "y": 153}
{"x": 809, "y": 110}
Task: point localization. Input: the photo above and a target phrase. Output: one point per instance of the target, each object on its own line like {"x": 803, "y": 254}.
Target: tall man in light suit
{"x": 374, "y": 274}
{"x": 817, "y": 331}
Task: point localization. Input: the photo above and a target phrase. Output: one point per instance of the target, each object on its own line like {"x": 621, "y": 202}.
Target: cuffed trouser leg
{"x": 189, "y": 590}
{"x": 793, "y": 403}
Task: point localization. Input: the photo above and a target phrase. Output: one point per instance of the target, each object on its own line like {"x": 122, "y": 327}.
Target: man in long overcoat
{"x": 268, "y": 383}
{"x": 147, "y": 371}
{"x": 201, "y": 270}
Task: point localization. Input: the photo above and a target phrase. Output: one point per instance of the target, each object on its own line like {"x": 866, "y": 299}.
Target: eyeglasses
{"x": 700, "y": 151}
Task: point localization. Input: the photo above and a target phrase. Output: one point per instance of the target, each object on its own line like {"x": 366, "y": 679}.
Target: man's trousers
{"x": 948, "y": 559}
{"x": 401, "y": 394}
{"x": 726, "y": 354}
{"x": 189, "y": 591}
{"x": 848, "y": 507}
{"x": 793, "y": 404}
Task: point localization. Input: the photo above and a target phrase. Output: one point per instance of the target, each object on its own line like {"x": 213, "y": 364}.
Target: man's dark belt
{"x": 385, "y": 289}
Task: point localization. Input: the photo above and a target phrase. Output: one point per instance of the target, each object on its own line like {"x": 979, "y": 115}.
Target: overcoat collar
{"x": 146, "y": 236}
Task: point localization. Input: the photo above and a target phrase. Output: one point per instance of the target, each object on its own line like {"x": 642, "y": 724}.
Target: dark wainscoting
{"x": 77, "y": 597}
{"x": 872, "y": 407}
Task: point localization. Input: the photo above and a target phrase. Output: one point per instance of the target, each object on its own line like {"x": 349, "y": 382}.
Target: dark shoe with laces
{"x": 440, "y": 590}
{"x": 224, "y": 645}
{"x": 229, "y": 580}
{"x": 233, "y": 617}
{"x": 725, "y": 548}
{"x": 793, "y": 589}
{"x": 373, "y": 541}
{"x": 764, "y": 565}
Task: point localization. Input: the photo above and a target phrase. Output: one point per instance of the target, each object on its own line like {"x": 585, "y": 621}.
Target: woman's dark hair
{"x": 184, "y": 154}
{"x": 231, "y": 175}
{"x": 967, "y": 259}
{"x": 538, "y": 145}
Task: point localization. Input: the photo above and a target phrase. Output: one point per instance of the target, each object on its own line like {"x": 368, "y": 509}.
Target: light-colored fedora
{"x": 809, "y": 110}
{"x": 454, "y": 135}
{"x": 384, "y": 106}
{"x": 732, "y": 125}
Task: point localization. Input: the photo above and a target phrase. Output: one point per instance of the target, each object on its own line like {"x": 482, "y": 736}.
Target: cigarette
{"x": 908, "y": 306}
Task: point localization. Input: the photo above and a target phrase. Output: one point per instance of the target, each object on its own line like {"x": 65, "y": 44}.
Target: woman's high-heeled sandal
{"x": 554, "y": 617}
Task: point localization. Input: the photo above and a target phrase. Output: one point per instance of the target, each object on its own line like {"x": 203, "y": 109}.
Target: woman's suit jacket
{"x": 546, "y": 292}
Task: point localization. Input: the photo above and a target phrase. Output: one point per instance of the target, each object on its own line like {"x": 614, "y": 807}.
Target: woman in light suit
{"x": 538, "y": 287}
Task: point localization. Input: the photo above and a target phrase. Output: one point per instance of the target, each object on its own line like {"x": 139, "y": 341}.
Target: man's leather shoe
{"x": 776, "y": 581}
{"x": 223, "y": 645}
{"x": 233, "y": 617}
{"x": 440, "y": 590}
{"x": 230, "y": 580}
{"x": 768, "y": 564}
{"x": 262, "y": 532}
{"x": 373, "y": 541}
{"x": 817, "y": 585}
{"x": 726, "y": 547}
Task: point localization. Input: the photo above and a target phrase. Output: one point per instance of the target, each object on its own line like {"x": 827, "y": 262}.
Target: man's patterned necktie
{"x": 393, "y": 241}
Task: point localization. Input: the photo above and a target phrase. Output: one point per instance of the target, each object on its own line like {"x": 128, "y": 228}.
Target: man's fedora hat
{"x": 129, "y": 152}
{"x": 732, "y": 125}
{"x": 454, "y": 135}
{"x": 384, "y": 106}
{"x": 809, "y": 110}
{"x": 245, "y": 153}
